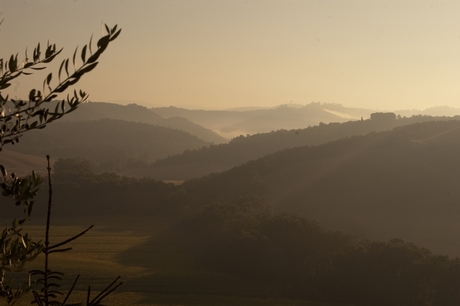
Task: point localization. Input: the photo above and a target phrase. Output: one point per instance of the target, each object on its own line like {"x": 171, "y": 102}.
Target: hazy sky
{"x": 375, "y": 54}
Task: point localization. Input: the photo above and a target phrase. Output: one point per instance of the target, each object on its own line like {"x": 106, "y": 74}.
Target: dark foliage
{"x": 244, "y": 237}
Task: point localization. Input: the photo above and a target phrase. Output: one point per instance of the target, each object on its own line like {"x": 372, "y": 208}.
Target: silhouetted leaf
{"x": 83, "y": 54}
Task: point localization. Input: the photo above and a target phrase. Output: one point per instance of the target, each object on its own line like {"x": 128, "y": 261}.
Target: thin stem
{"x": 70, "y": 239}
{"x": 47, "y": 233}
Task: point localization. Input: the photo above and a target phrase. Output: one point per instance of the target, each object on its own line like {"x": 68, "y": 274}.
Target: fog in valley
{"x": 248, "y": 190}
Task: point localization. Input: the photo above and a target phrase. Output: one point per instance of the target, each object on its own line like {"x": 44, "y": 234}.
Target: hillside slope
{"x": 200, "y": 162}
{"x": 402, "y": 183}
{"x": 23, "y": 164}
{"x": 107, "y": 140}
{"x": 137, "y": 113}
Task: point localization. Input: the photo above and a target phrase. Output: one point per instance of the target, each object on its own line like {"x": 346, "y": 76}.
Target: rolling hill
{"x": 107, "y": 141}
{"x": 233, "y": 123}
{"x": 200, "y": 162}
{"x": 401, "y": 183}
{"x": 137, "y": 113}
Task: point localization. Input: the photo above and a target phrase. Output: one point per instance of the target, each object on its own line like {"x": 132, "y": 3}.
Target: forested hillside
{"x": 401, "y": 183}
{"x": 199, "y": 162}
{"x": 113, "y": 144}
{"x": 394, "y": 184}
{"x": 137, "y": 113}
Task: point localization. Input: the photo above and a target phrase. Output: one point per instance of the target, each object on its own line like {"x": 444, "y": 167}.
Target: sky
{"x": 382, "y": 55}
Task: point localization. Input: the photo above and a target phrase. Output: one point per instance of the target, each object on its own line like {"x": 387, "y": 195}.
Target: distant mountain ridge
{"x": 432, "y": 111}
{"x": 232, "y": 123}
{"x": 137, "y": 113}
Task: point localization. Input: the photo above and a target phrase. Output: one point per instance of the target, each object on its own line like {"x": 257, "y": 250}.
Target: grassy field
{"x": 153, "y": 267}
